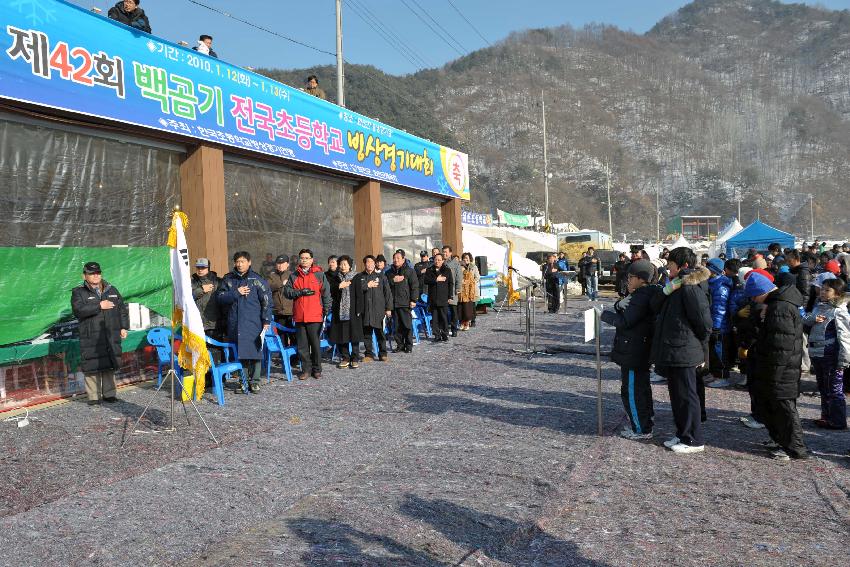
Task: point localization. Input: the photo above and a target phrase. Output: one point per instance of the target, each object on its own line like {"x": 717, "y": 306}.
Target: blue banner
{"x": 61, "y": 56}
{"x": 480, "y": 219}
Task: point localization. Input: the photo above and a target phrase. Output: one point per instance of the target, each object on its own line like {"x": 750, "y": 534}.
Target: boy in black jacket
{"x": 679, "y": 345}
{"x": 633, "y": 318}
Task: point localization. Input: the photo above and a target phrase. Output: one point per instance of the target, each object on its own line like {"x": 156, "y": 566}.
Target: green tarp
{"x": 36, "y": 284}
{"x": 68, "y": 349}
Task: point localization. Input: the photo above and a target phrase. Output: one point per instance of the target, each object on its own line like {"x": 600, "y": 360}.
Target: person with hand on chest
{"x": 440, "y": 284}
{"x": 245, "y": 298}
{"x": 377, "y": 304}
{"x": 104, "y": 321}
{"x": 309, "y": 290}
{"x": 404, "y": 285}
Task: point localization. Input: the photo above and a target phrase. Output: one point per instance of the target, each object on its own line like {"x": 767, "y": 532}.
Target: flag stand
{"x": 173, "y": 379}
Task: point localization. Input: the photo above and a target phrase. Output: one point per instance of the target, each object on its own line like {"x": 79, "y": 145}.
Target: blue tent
{"x": 759, "y": 236}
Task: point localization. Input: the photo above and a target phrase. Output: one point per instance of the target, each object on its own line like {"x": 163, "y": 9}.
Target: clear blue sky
{"x": 313, "y": 22}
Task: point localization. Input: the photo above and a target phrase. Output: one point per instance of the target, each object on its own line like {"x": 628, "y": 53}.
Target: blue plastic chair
{"x": 221, "y": 371}
{"x": 160, "y": 339}
{"x": 418, "y": 325}
{"x": 422, "y": 311}
{"x": 274, "y": 345}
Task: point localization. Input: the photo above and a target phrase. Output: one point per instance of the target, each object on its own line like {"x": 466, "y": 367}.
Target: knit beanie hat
{"x": 715, "y": 265}
{"x": 822, "y": 277}
{"x": 763, "y": 272}
{"x": 759, "y": 263}
{"x": 832, "y": 266}
{"x": 757, "y": 285}
{"x": 642, "y": 269}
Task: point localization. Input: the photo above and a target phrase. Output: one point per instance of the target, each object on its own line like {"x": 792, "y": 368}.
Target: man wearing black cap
{"x": 204, "y": 284}
{"x": 421, "y": 267}
{"x": 104, "y": 321}
{"x": 282, "y": 308}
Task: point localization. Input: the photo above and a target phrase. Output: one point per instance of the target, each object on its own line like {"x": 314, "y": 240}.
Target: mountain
{"x": 721, "y": 100}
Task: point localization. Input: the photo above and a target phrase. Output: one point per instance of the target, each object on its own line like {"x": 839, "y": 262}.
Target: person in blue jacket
{"x": 720, "y": 288}
{"x": 245, "y": 299}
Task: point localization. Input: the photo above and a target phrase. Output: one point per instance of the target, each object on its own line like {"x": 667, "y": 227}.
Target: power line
{"x": 424, "y": 21}
{"x": 439, "y": 25}
{"x": 389, "y": 30}
{"x": 468, "y": 22}
{"x": 394, "y": 42}
{"x": 287, "y": 38}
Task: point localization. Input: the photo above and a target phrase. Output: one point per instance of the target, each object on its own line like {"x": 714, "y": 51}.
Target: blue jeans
{"x": 593, "y": 286}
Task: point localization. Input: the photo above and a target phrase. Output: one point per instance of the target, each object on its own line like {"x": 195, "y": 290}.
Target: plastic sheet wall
{"x": 410, "y": 221}
{"x": 272, "y": 210}
{"x": 64, "y": 187}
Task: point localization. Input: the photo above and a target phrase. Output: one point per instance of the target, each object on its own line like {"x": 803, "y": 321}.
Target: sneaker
{"x": 672, "y": 442}
{"x": 750, "y": 422}
{"x": 770, "y": 445}
{"x": 254, "y": 387}
{"x": 383, "y": 358}
{"x": 779, "y": 455}
{"x": 354, "y": 364}
{"x": 683, "y": 449}
{"x": 110, "y": 400}
{"x": 718, "y": 384}
{"x": 656, "y": 379}
{"x": 344, "y": 363}
{"x": 627, "y": 433}
{"x": 368, "y": 358}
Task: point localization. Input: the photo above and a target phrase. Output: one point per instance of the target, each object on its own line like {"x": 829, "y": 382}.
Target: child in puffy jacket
{"x": 720, "y": 288}
{"x": 829, "y": 350}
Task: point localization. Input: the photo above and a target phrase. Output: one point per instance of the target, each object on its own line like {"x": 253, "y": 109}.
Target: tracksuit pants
{"x": 636, "y": 392}
{"x": 403, "y": 327}
{"x": 833, "y": 408}
{"x": 685, "y": 402}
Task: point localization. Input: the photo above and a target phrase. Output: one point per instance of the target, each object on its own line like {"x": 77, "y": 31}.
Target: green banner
{"x": 36, "y": 284}
{"x": 515, "y": 220}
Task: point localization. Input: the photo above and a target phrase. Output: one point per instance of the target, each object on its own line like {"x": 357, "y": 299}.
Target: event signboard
{"x": 478, "y": 219}
{"x": 515, "y": 220}
{"x": 61, "y": 56}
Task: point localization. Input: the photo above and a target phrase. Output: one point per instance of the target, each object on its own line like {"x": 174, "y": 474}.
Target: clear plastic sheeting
{"x": 273, "y": 211}
{"x": 411, "y": 222}
{"x": 61, "y": 186}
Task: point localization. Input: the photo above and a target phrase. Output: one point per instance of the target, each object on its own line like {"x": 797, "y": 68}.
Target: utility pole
{"x": 608, "y": 183}
{"x": 545, "y": 167}
{"x": 657, "y": 212}
{"x": 340, "y": 78}
{"x": 812, "y": 211}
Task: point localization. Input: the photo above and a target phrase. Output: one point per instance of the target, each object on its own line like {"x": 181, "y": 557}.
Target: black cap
{"x": 91, "y": 268}
{"x": 642, "y": 269}
{"x": 423, "y": 254}
{"x": 282, "y": 259}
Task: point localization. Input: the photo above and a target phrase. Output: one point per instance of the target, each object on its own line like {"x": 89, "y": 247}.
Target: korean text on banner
{"x": 59, "y": 55}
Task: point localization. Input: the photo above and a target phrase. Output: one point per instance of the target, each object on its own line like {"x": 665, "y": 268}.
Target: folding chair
{"x": 221, "y": 371}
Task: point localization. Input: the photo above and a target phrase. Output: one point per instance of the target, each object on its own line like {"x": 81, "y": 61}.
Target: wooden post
{"x": 368, "y": 232}
{"x": 202, "y": 199}
{"x": 452, "y": 228}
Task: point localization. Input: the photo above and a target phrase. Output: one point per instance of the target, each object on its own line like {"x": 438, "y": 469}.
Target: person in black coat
{"x": 621, "y": 271}
{"x": 633, "y": 318}
{"x": 347, "y": 312}
{"x": 679, "y": 344}
{"x": 377, "y": 304}
{"x": 440, "y": 284}
{"x": 421, "y": 267}
{"x": 552, "y": 282}
{"x": 104, "y": 321}
{"x": 128, "y": 13}
{"x": 404, "y": 284}
{"x": 245, "y": 299}
{"x": 778, "y": 355}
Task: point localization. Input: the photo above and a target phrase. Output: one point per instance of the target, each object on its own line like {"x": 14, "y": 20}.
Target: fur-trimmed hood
{"x": 696, "y": 276}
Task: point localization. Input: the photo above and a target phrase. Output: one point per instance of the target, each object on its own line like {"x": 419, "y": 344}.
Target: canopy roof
{"x": 759, "y": 236}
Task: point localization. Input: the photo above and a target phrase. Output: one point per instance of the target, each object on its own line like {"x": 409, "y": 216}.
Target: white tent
{"x": 682, "y": 241}
{"x": 718, "y": 245}
{"x": 477, "y": 245}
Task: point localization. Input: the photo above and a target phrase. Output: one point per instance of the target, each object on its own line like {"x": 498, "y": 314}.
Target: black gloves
{"x": 307, "y": 292}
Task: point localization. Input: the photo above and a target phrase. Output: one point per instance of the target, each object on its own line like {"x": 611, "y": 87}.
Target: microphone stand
{"x": 530, "y": 308}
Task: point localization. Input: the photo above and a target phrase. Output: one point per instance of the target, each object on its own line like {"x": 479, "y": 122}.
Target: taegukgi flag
{"x": 193, "y": 354}
{"x": 509, "y": 277}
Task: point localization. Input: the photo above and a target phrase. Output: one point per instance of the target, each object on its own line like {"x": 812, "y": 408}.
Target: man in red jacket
{"x": 310, "y": 292}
